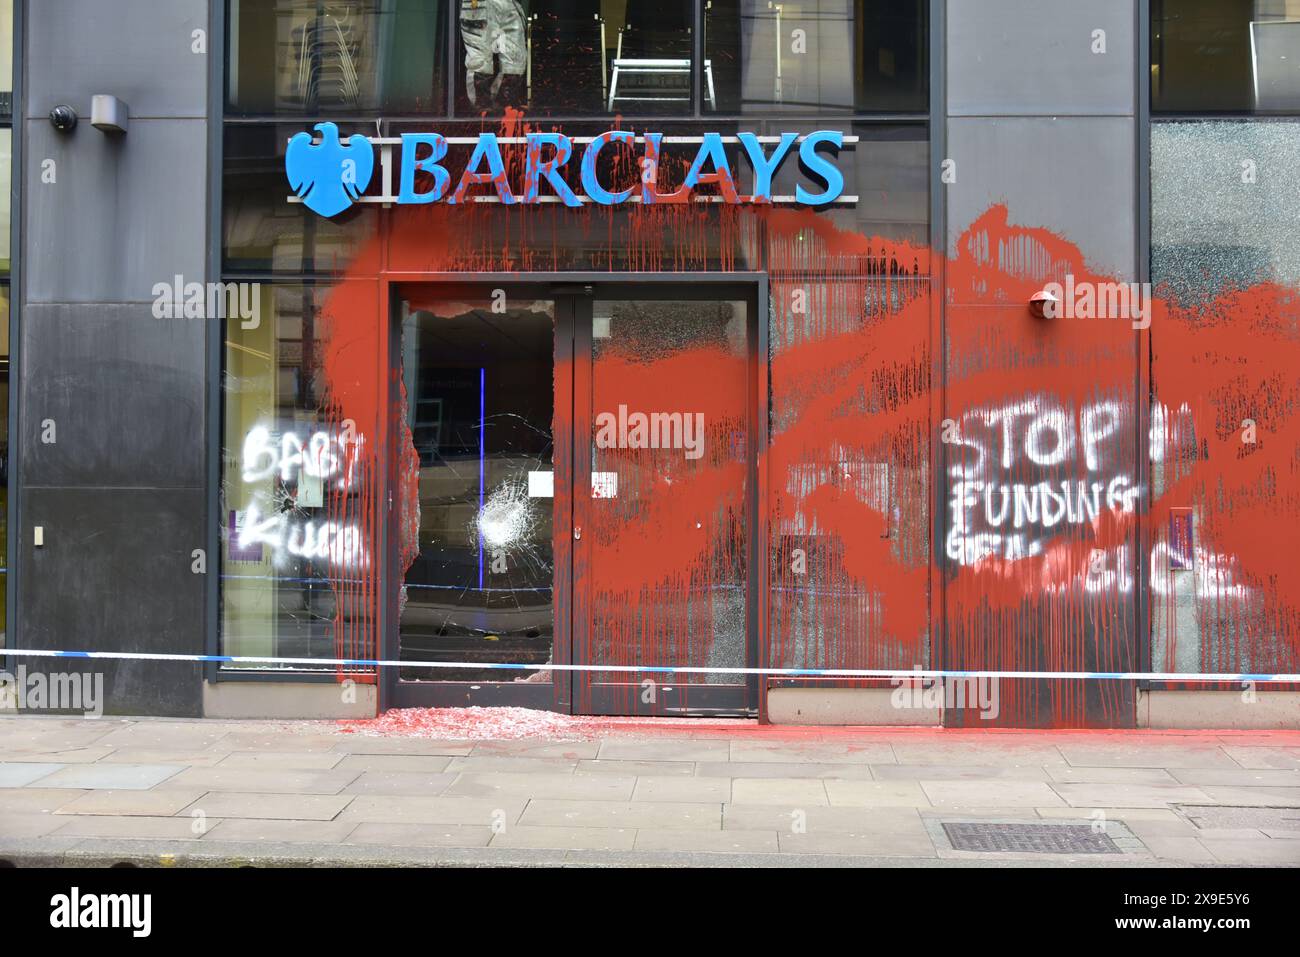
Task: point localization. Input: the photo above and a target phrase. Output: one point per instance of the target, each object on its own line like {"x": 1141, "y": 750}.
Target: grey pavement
{"x": 213, "y": 793}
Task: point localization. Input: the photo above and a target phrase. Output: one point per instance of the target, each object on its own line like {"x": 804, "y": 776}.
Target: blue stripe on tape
{"x": 659, "y": 669}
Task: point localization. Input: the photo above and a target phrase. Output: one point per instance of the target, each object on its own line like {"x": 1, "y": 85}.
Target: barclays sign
{"x": 330, "y": 174}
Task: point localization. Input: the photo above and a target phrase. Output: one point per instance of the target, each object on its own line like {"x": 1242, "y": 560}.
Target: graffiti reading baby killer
{"x": 330, "y": 175}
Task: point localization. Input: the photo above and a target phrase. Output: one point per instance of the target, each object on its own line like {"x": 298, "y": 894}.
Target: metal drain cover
{"x": 1028, "y": 838}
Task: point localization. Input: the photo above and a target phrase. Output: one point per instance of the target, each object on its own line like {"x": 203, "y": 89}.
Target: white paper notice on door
{"x": 541, "y": 485}
{"x": 604, "y": 485}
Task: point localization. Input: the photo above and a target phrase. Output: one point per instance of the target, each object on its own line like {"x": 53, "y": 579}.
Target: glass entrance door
{"x": 572, "y": 476}
{"x": 662, "y": 550}
{"x": 474, "y": 517}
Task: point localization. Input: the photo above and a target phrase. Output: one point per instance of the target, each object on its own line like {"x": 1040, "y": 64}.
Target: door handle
{"x": 577, "y": 532}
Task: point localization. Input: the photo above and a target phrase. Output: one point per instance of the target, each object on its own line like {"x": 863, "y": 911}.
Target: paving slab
{"x": 678, "y": 787}
{"x": 255, "y": 829}
{"x": 492, "y": 785}
{"x": 784, "y": 769}
{"x": 792, "y": 791}
{"x": 141, "y": 826}
{"x": 1186, "y": 849}
{"x": 639, "y": 768}
{"x": 1234, "y": 816}
{"x": 959, "y": 772}
{"x": 263, "y": 780}
{"x": 164, "y": 735}
{"x": 1265, "y": 850}
{"x": 21, "y": 800}
{"x": 1068, "y": 774}
{"x": 288, "y": 739}
{"x": 994, "y": 749}
{"x": 991, "y": 812}
{"x": 1001, "y": 793}
{"x": 84, "y": 734}
{"x": 120, "y": 777}
{"x": 876, "y": 793}
{"x": 1264, "y": 757}
{"x": 198, "y": 758}
{"x": 663, "y": 749}
{"x": 400, "y": 782}
{"x": 404, "y": 809}
{"x": 67, "y": 756}
{"x": 286, "y": 807}
{"x": 34, "y": 721}
{"x": 155, "y": 803}
{"x": 1245, "y": 777}
{"x": 812, "y": 752}
{"x": 363, "y": 744}
{"x": 1173, "y": 826}
{"x": 284, "y": 760}
{"x": 1281, "y": 833}
{"x": 1130, "y": 795}
{"x": 694, "y": 839}
{"x": 510, "y": 762}
{"x": 1117, "y": 753}
{"x": 1253, "y": 797}
{"x": 565, "y": 750}
{"x": 28, "y": 824}
{"x": 16, "y": 774}
{"x": 568, "y": 838}
{"x": 873, "y": 843}
{"x": 1125, "y": 814}
{"x": 790, "y": 820}
{"x": 639, "y": 814}
{"x": 421, "y": 763}
{"x": 420, "y": 835}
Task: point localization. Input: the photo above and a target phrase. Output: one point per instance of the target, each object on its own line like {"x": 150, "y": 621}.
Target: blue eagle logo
{"x": 329, "y": 176}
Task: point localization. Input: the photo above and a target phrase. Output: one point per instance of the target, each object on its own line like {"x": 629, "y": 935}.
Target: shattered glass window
{"x": 476, "y": 488}
{"x": 668, "y": 533}
{"x": 1223, "y": 206}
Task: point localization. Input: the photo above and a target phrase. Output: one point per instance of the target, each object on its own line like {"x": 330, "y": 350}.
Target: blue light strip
{"x": 482, "y": 408}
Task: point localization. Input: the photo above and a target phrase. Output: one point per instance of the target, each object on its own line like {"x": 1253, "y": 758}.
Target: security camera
{"x": 63, "y": 118}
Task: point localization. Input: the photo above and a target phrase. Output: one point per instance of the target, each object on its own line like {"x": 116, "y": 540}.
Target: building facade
{"x": 664, "y": 359}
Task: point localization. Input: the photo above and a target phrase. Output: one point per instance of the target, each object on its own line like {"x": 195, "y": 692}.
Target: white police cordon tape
{"x": 661, "y": 669}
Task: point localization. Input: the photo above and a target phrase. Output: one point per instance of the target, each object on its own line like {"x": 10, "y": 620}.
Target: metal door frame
{"x": 570, "y": 291}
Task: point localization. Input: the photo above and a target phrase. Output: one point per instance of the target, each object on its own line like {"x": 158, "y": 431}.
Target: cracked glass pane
{"x": 478, "y": 393}
{"x": 1223, "y": 206}
{"x": 668, "y": 536}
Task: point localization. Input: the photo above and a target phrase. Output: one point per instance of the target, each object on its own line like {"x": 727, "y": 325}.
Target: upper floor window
{"x": 1225, "y": 56}
{"x": 321, "y": 57}
{"x": 578, "y": 58}
{"x": 816, "y": 56}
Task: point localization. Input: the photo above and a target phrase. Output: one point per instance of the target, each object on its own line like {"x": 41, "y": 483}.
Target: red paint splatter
{"x": 859, "y": 396}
